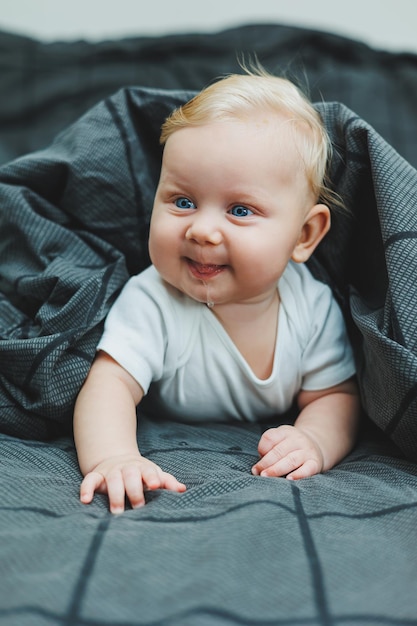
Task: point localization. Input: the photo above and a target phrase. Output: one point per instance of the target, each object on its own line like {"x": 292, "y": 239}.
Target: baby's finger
{"x": 274, "y": 456}
{"x": 309, "y": 468}
{"x": 116, "y": 491}
{"x": 171, "y": 483}
{"x": 132, "y": 478}
{"x": 273, "y": 464}
{"x": 273, "y": 437}
{"x": 154, "y": 478}
{"x": 91, "y": 483}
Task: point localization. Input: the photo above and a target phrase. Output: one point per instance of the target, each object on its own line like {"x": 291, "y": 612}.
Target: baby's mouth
{"x": 204, "y": 271}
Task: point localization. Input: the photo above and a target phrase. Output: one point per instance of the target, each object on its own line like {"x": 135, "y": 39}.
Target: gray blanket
{"x": 338, "y": 548}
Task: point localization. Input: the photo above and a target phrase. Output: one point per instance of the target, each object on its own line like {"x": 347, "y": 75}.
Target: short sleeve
{"x": 135, "y": 329}
{"x": 327, "y": 358}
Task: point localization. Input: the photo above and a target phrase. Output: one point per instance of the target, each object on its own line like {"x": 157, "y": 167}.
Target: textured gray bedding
{"x": 338, "y": 548}
{"x": 335, "y": 549}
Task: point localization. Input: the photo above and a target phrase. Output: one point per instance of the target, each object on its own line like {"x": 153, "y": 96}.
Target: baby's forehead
{"x": 284, "y": 136}
{"x": 257, "y": 143}
{"x": 279, "y": 134}
{"x": 280, "y": 130}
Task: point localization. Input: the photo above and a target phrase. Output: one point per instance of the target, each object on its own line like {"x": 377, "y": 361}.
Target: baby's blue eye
{"x": 240, "y": 211}
{"x": 184, "y": 203}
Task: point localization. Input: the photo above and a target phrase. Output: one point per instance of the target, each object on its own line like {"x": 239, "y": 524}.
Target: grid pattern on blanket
{"x": 233, "y": 549}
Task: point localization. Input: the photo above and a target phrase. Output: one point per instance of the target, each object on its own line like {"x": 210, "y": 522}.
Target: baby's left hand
{"x": 288, "y": 451}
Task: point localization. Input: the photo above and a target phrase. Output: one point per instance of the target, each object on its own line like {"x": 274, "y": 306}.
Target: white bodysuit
{"x": 190, "y": 369}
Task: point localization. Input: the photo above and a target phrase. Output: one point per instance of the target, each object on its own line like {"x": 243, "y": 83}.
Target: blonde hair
{"x": 237, "y": 95}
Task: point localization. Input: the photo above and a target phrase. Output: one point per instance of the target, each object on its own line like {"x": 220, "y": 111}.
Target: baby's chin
{"x": 201, "y": 295}
{"x": 206, "y": 299}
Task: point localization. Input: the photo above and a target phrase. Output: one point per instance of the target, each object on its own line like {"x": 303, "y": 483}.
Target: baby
{"x": 227, "y": 323}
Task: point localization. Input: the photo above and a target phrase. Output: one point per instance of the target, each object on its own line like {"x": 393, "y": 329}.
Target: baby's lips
{"x": 205, "y": 270}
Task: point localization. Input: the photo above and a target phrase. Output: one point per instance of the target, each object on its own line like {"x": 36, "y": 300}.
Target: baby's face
{"x": 229, "y": 209}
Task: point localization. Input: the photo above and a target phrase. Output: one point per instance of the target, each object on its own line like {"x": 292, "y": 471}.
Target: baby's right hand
{"x": 126, "y": 476}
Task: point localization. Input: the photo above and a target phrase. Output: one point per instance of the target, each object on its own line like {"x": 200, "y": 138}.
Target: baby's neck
{"x": 245, "y": 312}
{"x": 253, "y": 328}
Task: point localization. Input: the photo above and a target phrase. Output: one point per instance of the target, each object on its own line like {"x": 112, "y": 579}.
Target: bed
{"x": 79, "y": 156}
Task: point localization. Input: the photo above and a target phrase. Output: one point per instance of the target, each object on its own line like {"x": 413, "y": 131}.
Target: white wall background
{"x": 386, "y": 24}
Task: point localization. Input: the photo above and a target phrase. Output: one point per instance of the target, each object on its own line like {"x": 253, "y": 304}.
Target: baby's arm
{"x": 323, "y": 434}
{"x": 105, "y": 426}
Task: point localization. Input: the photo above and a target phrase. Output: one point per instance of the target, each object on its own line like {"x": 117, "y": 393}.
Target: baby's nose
{"x": 204, "y": 230}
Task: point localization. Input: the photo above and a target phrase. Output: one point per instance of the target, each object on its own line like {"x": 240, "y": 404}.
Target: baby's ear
{"x": 315, "y": 227}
